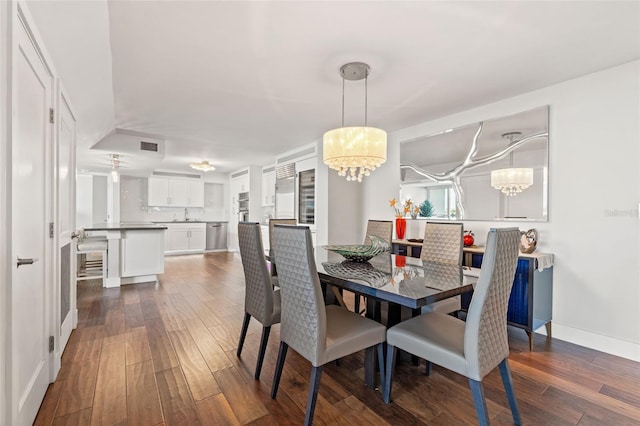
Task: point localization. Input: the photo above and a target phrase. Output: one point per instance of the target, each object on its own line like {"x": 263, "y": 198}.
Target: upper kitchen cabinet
{"x": 245, "y": 193}
{"x": 268, "y": 186}
{"x": 174, "y": 192}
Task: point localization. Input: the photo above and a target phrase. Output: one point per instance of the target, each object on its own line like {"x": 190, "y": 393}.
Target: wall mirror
{"x": 491, "y": 170}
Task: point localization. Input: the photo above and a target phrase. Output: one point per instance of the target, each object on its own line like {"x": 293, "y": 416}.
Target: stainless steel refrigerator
{"x": 295, "y": 194}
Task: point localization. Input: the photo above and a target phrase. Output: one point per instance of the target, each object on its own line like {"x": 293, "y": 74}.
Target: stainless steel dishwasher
{"x": 216, "y": 236}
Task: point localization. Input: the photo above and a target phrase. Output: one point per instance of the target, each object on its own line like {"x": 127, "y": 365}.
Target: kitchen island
{"x": 135, "y": 252}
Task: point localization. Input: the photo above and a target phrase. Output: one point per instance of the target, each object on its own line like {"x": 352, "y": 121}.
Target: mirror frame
{"x": 474, "y": 148}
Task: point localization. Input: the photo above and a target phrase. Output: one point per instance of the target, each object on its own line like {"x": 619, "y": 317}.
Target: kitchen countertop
{"x": 192, "y": 221}
{"x": 137, "y": 226}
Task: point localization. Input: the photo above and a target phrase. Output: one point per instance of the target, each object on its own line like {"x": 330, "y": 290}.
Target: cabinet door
{"x": 196, "y": 194}
{"x": 268, "y": 189}
{"x": 179, "y": 239}
{"x": 167, "y": 239}
{"x": 179, "y": 192}
{"x": 141, "y": 253}
{"x": 197, "y": 237}
{"x": 265, "y": 237}
{"x": 158, "y": 192}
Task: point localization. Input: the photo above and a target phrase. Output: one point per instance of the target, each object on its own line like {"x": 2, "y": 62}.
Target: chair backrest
{"x": 442, "y": 243}
{"x": 274, "y": 222}
{"x": 379, "y": 228}
{"x": 258, "y": 299}
{"x": 485, "y": 337}
{"x": 303, "y": 322}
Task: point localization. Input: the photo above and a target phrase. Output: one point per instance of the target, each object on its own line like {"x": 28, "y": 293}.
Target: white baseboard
{"x": 139, "y": 279}
{"x": 595, "y": 341}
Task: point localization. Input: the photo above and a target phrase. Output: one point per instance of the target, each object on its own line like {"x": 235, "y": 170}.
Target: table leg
{"x": 414, "y": 313}
{"x": 370, "y": 361}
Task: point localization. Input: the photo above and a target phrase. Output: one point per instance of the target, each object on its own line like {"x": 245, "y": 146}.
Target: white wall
{"x": 593, "y": 227}
{"x": 84, "y": 200}
{"x": 99, "y": 200}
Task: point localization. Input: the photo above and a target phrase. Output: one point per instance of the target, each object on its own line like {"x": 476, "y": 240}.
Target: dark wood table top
{"x": 397, "y": 279}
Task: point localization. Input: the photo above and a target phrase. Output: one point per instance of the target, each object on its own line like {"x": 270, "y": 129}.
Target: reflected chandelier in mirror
{"x": 492, "y": 170}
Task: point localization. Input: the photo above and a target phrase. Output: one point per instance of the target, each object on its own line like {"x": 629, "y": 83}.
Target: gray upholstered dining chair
{"x": 476, "y": 347}
{"x": 317, "y": 332}
{"x": 260, "y": 301}
{"x": 443, "y": 244}
{"x": 378, "y": 228}
{"x": 272, "y": 223}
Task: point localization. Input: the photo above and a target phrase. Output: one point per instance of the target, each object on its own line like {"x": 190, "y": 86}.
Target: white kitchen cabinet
{"x": 185, "y": 237}
{"x": 158, "y": 192}
{"x": 268, "y": 186}
{"x": 198, "y": 237}
{"x": 141, "y": 253}
{"x": 178, "y": 238}
{"x": 196, "y": 194}
{"x": 244, "y": 180}
{"x": 169, "y": 192}
{"x": 264, "y": 229}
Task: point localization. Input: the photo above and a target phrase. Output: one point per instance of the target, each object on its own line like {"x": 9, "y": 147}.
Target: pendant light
{"x": 355, "y": 151}
{"x": 115, "y": 168}
{"x": 511, "y": 181}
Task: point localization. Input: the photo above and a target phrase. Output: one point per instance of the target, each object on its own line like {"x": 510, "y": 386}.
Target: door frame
{"x": 59, "y": 329}
{"x": 12, "y": 14}
{"x": 7, "y": 11}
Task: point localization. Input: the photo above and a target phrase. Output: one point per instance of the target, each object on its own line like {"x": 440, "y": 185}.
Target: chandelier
{"x": 511, "y": 181}
{"x": 355, "y": 151}
{"x": 115, "y": 167}
{"x": 203, "y": 166}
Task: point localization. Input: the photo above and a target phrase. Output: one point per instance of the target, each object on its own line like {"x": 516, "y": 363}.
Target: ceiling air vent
{"x": 148, "y": 146}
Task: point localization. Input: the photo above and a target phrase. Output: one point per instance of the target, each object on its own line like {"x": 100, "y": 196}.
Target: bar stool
{"x": 89, "y": 269}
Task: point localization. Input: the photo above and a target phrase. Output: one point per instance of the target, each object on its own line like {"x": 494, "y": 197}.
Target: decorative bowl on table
{"x": 362, "y": 252}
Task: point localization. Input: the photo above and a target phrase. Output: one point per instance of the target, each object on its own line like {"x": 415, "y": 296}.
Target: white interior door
{"x": 66, "y": 217}
{"x": 31, "y": 282}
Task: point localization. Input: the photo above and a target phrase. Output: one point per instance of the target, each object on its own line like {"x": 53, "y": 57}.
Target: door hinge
{"x": 51, "y": 114}
{"x": 52, "y": 343}
{"x": 50, "y": 229}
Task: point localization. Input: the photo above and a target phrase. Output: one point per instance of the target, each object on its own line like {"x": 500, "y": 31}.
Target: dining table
{"x": 400, "y": 283}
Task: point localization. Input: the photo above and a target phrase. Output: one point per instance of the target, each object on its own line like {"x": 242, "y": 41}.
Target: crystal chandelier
{"x": 203, "y": 166}
{"x": 115, "y": 167}
{"x": 355, "y": 151}
{"x": 511, "y": 181}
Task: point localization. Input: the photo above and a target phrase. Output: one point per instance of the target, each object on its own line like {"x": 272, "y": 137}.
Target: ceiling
{"x": 237, "y": 83}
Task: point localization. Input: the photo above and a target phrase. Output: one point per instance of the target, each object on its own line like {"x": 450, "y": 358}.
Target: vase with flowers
{"x": 401, "y": 210}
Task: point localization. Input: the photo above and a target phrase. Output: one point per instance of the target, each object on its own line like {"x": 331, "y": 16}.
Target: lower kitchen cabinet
{"x": 185, "y": 238}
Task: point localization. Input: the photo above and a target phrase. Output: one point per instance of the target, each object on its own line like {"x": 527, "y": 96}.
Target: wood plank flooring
{"x": 153, "y": 354}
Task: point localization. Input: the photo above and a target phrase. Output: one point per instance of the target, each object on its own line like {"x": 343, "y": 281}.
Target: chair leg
{"x": 282, "y": 354}
{"x": 479, "y": 401}
{"x": 263, "y": 347}
{"x": 427, "y": 369}
{"x": 314, "y": 385}
{"x": 505, "y": 372}
{"x": 356, "y": 303}
{"x": 243, "y": 333}
{"x": 381, "y": 364}
{"x": 391, "y": 363}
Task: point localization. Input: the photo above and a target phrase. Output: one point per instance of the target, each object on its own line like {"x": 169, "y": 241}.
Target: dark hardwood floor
{"x": 151, "y": 354}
